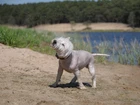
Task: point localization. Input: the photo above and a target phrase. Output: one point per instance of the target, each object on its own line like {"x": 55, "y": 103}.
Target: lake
{"x": 99, "y": 37}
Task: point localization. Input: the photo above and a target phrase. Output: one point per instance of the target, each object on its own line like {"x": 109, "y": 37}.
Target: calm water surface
{"x": 99, "y": 37}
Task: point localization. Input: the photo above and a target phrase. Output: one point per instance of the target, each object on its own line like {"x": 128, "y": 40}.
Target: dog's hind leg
{"x": 92, "y": 72}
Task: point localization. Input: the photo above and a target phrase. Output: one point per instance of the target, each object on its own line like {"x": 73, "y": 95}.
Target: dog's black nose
{"x": 54, "y": 42}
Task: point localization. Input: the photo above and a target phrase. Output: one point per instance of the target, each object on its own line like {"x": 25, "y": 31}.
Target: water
{"x": 99, "y": 37}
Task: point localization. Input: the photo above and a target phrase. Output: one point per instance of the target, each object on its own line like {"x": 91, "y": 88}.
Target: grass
{"x": 121, "y": 51}
{"x": 36, "y": 40}
{"x": 26, "y": 38}
{"x": 80, "y": 44}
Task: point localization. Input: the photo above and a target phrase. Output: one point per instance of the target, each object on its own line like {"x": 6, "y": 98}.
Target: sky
{"x": 24, "y": 1}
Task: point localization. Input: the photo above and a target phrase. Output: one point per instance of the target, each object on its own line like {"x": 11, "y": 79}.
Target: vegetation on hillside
{"x": 124, "y": 11}
{"x": 26, "y": 38}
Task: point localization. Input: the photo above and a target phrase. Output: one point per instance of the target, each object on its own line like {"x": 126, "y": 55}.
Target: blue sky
{"x": 24, "y": 1}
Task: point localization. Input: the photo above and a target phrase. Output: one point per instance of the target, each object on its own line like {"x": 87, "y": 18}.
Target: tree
{"x": 125, "y": 11}
{"x": 87, "y": 23}
{"x": 11, "y": 20}
{"x": 131, "y": 19}
{"x": 72, "y": 25}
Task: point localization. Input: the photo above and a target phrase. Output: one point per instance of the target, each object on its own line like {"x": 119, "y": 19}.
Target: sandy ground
{"x": 26, "y": 76}
{"x": 81, "y": 27}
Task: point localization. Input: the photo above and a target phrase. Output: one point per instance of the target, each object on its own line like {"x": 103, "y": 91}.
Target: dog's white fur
{"x": 73, "y": 61}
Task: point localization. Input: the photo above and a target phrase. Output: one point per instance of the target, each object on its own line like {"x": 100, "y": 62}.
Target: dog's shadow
{"x": 71, "y": 85}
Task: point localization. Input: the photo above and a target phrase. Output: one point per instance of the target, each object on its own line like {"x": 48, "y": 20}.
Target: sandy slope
{"x": 25, "y": 77}
{"x": 80, "y": 27}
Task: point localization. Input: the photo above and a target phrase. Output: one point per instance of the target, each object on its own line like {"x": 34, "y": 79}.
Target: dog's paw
{"x": 94, "y": 87}
{"x": 54, "y": 85}
{"x": 82, "y": 87}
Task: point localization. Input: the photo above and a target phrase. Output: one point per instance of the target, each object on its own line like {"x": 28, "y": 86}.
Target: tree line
{"x": 78, "y": 11}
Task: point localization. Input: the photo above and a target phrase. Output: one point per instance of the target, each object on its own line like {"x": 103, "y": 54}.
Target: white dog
{"x": 73, "y": 61}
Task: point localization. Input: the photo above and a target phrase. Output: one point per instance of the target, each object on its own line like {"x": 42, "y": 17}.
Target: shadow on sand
{"x": 71, "y": 85}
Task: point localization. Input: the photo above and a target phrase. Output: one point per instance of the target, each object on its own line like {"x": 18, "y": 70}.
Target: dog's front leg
{"x": 77, "y": 74}
{"x": 59, "y": 74}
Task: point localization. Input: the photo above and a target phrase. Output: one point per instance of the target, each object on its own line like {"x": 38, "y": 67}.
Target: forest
{"x": 77, "y": 11}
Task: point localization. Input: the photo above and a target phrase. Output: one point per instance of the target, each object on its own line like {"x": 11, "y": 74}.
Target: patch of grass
{"x": 26, "y": 38}
{"x": 121, "y": 51}
{"x": 79, "y": 43}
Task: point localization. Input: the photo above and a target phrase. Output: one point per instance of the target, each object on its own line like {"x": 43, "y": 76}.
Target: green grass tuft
{"x": 26, "y": 38}
{"x": 121, "y": 51}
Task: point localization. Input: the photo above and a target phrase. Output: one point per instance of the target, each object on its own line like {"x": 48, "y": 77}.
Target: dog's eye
{"x": 63, "y": 44}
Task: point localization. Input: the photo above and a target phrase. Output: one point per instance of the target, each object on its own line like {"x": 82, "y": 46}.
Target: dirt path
{"x": 25, "y": 77}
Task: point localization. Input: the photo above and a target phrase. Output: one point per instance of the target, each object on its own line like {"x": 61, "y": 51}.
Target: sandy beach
{"x": 26, "y": 76}
{"x": 80, "y": 27}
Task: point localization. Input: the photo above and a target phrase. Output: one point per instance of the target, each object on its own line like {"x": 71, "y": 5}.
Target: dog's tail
{"x": 98, "y": 54}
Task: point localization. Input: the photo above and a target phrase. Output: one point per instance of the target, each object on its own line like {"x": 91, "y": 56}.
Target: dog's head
{"x": 63, "y": 46}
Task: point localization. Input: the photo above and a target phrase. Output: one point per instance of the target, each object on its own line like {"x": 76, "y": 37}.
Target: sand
{"x": 26, "y": 76}
{"x": 80, "y": 27}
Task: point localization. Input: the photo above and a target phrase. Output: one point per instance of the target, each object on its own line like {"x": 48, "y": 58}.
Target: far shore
{"x": 67, "y": 27}
{"x": 80, "y": 27}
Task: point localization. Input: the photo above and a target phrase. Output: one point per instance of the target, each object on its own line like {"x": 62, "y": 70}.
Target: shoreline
{"x": 80, "y": 27}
